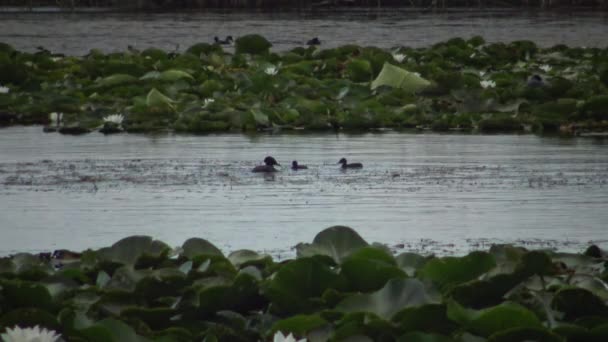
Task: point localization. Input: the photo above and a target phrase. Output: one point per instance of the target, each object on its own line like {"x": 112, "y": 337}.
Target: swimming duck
{"x": 227, "y": 41}
{"x": 295, "y": 166}
{"x": 346, "y": 165}
{"x": 268, "y": 167}
{"x": 314, "y": 41}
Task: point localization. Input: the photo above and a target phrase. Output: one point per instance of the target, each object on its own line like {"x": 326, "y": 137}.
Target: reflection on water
{"x": 78, "y": 33}
{"x": 427, "y": 192}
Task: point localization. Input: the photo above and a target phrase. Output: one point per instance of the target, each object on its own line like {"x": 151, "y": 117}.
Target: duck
{"x": 227, "y": 41}
{"x": 296, "y": 166}
{"x": 346, "y": 165}
{"x": 268, "y": 166}
{"x": 314, "y": 41}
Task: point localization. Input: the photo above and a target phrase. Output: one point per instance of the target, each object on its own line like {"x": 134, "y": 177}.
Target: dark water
{"x": 429, "y": 192}
{"x": 78, "y": 33}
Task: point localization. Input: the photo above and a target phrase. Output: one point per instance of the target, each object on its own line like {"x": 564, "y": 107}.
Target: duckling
{"x": 227, "y": 41}
{"x": 346, "y": 165}
{"x": 314, "y": 41}
{"x": 295, "y": 166}
{"x": 268, "y": 167}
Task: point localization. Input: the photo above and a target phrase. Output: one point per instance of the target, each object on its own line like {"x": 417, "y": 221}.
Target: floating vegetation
{"x": 457, "y": 85}
{"x": 339, "y": 287}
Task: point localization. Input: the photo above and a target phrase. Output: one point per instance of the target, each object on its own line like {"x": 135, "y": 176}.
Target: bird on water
{"x": 314, "y": 41}
{"x": 226, "y": 41}
{"x": 346, "y": 165}
{"x": 296, "y": 166}
{"x": 269, "y": 163}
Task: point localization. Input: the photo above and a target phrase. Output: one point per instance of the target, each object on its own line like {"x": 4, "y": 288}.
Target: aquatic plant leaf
{"x": 118, "y": 331}
{"x": 525, "y": 334}
{"x": 494, "y": 319}
{"x": 397, "y": 77}
{"x": 151, "y": 75}
{"x": 259, "y": 117}
{"x": 128, "y": 250}
{"x": 428, "y": 318}
{"x": 245, "y": 257}
{"x": 410, "y": 262}
{"x": 174, "y": 75}
{"x": 299, "y": 324}
{"x": 368, "y": 269}
{"x": 336, "y": 242}
{"x": 115, "y": 80}
{"x": 395, "y": 296}
{"x": 194, "y": 247}
{"x": 297, "y": 286}
{"x": 576, "y": 303}
{"x": 157, "y": 99}
{"x": 449, "y": 271}
{"x": 23, "y": 294}
{"x": 424, "y": 337}
{"x": 253, "y": 44}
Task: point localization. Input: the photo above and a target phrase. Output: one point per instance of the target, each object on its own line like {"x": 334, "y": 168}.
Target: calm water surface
{"x": 429, "y": 192}
{"x": 80, "y": 32}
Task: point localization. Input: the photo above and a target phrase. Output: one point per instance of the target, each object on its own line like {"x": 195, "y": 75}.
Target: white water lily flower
{"x": 207, "y": 102}
{"x": 545, "y": 67}
{"x": 279, "y": 337}
{"x": 399, "y": 57}
{"x": 4, "y": 90}
{"x": 416, "y": 73}
{"x": 35, "y": 334}
{"x": 487, "y": 84}
{"x": 114, "y": 118}
{"x": 271, "y": 70}
{"x": 481, "y": 73}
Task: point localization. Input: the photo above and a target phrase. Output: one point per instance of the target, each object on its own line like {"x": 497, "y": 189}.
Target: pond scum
{"x": 338, "y": 288}
{"x": 459, "y": 85}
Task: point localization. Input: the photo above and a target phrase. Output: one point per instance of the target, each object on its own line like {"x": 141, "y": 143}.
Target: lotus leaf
{"x": 195, "y": 247}
{"x": 243, "y": 258}
{"x": 299, "y": 324}
{"x": 116, "y": 79}
{"x": 525, "y": 334}
{"x": 450, "y": 271}
{"x": 396, "y": 295}
{"x": 424, "y": 337}
{"x": 128, "y": 250}
{"x": 397, "y": 77}
{"x": 427, "y": 318}
{"x": 368, "y": 269}
{"x": 577, "y": 302}
{"x": 337, "y": 242}
{"x": 492, "y": 320}
{"x": 298, "y": 285}
{"x": 253, "y": 44}
{"x": 157, "y": 99}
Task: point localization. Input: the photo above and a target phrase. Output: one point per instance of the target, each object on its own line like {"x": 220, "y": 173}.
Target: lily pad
{"x": 396, "y": 295}
{"x": 336, "y": 242}
{"x": 396, "y": 77}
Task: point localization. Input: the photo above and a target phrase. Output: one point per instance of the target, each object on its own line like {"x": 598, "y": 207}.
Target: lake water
{"x": 77, "y": 33}
{"x": 429, "y": 192}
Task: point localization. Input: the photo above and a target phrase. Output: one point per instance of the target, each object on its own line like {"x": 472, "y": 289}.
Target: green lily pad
{"x": 128, "y": 250}
{"x": 424, "y": 337}
{"x": 299, "y": 324}
{"x": 449, "y": 271}
{"x": 337, "y": 242}
{"x": 369, "y": 268}
{"x": 494, "y": 319}
{"x": 298, "y": 285}
{"x": 196, "y": 247}
{"x": 116, "y": 80}
{"x": 253, "y": 44}
{"x": 396, "y": 77}
{"x": 396, "y": 295}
